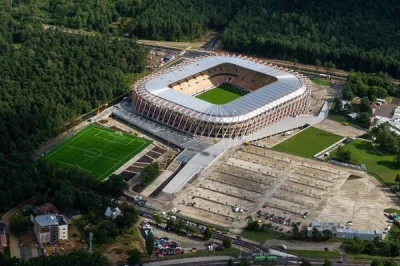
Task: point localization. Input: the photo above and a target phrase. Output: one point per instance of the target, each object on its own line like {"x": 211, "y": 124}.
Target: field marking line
{"x": 92, "y": 157}
{"x": 143, "y": 143}
{"x": 75, "y": 165}
{"x": 73, "y": 138}
{"x": 118, "y": 137}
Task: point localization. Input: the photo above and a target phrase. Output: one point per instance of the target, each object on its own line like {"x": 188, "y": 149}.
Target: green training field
{"x": 97, "y": 150}
{"x": 308, "y": 142}
{"x": 382, "y": 165}
{"x": 222, "y": 94}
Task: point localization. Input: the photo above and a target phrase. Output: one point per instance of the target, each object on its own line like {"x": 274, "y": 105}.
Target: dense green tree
{"x": 157, "y": 218}
{"x": 190, "y": 229}
{"x": 327, "y": 262}
{"x": 385, "y": 249}
{"x": 19, "y": 223}
{"x": 327, "y": 234}
{"x": 371, "y": 86}
{"x": 357, "y": 245}
{"x": 338, "y": 105}
{"x": 364, "y": 119}
{"x": 244, "y": 262}
{"x": 312, "y": 32}
{"x": 134, "y": 256}
{"x": 365, "y": 105}
{"x": 305, "y": 263}
{"x": 114, "y": 185}
{"x": 149, "y": 173}
{"x": 207, "y": 234}
{"x": 342, "y": 154}
{"x": 377, "y": 262}
{"x": 150, "y": 244}
{"x": 227, "y": 242}
{"x": 230, "y": 262}
{"x": 394, "y": 249}
{"x": 388, "y": 141}
{"x": 315, "y": 234}
{"x": 370, "y": 248}
{"x": 253, "y": 226}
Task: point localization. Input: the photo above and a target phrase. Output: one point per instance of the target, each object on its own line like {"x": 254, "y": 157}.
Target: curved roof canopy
{"x": 286, "y": 87}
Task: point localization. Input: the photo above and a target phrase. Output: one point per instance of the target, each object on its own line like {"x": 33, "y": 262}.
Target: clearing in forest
{"x": 97, "y": 150}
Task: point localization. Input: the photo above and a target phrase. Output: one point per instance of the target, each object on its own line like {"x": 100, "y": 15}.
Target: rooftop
{"x": 359, "y": 231}
{"x": 286, "y": 87}
{"x": 50, "y": 219}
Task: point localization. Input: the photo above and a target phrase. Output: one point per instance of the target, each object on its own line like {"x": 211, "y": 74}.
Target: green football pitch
{"x": 308, "y": 142}
{"x": 97, "y": 150}
{"x": 222, "y": 94}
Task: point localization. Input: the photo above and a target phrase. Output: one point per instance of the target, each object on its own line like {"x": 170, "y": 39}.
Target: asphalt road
{"x": 14, "y": 242}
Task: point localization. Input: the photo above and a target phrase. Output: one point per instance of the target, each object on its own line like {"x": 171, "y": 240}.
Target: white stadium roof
{"x": 286, "y": 87}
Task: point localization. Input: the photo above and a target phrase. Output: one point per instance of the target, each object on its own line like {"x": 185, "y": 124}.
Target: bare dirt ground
{"x": 318, "y": 96}
{"x": 116, "y": 253}
{"x": 386, "y": 110}
{"x": 260, "y": 181}
{"x": 339, "y": 129}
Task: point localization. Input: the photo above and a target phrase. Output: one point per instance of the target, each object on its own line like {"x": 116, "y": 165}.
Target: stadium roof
{"x": 286, "y": 87}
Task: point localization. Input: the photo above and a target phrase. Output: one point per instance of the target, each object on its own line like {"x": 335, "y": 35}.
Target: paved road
{"x": 14, "y": 242}
{"x": 302, "y": 245}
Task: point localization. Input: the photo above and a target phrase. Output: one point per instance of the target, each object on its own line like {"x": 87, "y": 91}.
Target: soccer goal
{"x": 118, "y": 133}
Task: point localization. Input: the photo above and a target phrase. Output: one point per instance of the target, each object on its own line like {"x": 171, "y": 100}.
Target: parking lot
{"x": 251, "y": 182}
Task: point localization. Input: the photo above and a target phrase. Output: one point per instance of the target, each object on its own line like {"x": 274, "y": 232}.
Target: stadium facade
{"x": 168, "y": 96}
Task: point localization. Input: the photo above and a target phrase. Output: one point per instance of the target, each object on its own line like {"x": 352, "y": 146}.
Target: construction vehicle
{"x": 345, "y": 123}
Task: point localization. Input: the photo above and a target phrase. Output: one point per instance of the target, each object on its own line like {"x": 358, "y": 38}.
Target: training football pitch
{"x": 97, "y": 150}
{"x": 383, "y": 165}
{"x": 222, "y": 94}
{"x": 308, "y": 142}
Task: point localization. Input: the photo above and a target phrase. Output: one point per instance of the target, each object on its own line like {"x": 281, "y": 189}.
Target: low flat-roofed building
{"x": 362, "y": 234}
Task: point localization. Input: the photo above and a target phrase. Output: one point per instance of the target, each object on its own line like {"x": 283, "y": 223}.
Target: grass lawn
{"x": 378, "y": 164}
{"x": 341, "y": 117}
{"x": 314, "y": 253}
{"x": 222, "y": 94}
{"x": 261, "y": 236}
{"x": 392, "y": 210}
{"x": 97, "y": 150}
{"x": 308, "y": 142}
{"x": 392, "y": 100}
{"x": 321, "y": 82}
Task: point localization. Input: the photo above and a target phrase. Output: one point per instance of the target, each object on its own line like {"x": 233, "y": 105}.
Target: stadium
{"x": 221, "y": 96}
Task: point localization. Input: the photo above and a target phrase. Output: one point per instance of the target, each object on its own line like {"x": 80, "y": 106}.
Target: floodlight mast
{"x": 90, "y": 242}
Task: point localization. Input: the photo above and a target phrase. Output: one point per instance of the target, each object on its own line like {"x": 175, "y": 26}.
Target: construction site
{"x": 252, "y": 182}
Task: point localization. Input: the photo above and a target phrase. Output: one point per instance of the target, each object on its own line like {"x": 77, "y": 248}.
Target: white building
{"x": 50, "y": 228}
{"x": 362, "y": 234}
{"x": 340, "y": 231}
{"x": 112, "y": 212}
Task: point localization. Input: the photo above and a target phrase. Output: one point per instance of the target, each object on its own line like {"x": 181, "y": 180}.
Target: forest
{"x": 362, "y": 34}
{"x": 49, "y": 78}
{"x": 373, "y": 86}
